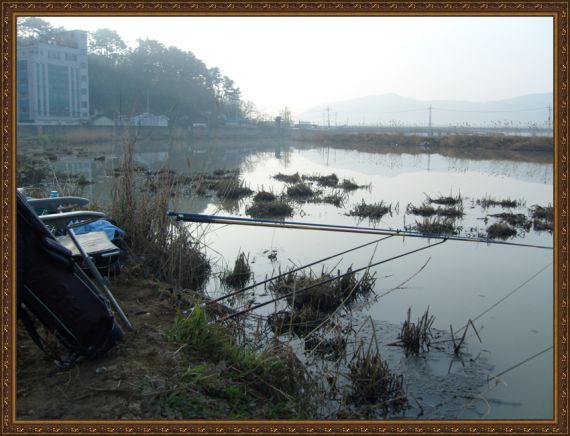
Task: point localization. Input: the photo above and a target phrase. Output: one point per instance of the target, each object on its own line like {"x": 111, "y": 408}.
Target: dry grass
{"x": 154, "y": 246}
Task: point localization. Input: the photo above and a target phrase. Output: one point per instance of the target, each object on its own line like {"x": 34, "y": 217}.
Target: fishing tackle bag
{"x": 52, "y": 287}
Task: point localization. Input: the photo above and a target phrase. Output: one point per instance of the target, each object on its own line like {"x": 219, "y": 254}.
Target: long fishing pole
{"x": 296, "y": 292}
{"x": 215, "y": 219}
{"x": 254, "y": 285}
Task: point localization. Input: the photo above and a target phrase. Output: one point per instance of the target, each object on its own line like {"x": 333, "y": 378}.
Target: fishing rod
{"x": 215, "y": 219}
{"x": 314, "y": 285}
{"x": 254, "y": 285}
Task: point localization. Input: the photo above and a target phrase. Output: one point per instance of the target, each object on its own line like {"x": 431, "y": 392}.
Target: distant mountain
{"x": 393, "y": 109}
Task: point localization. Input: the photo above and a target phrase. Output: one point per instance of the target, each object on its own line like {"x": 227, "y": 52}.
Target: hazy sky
{"x": 300, "y": 62}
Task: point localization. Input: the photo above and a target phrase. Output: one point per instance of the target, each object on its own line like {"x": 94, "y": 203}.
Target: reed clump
{"x": 241, "y": 273}
{"x": 264, "y": 196}
{"x": 514, "y": 219}
{"x": 373, "y": 211}
{"x": 437, "y": 226}
{"x": 232, "y": 189}
{"x": 288, "y": 178}
{"x": 487, "y": 202}
{"x": 543, "y": 218}
{"x": 501, "y": 231}
{"x": 372, "y": 382}
{"x": 450, "y": 200}
{"x": 348, "y": 185}
{"x": 324, "y": 293}
{"x": 269, "y": 209}
{"x": 415, "y": 338}
{"x": 154, "y": 246}
{"x": 330, "y": 181}
{"x": 299, "y": 322}
{"x": 300, "y": 190}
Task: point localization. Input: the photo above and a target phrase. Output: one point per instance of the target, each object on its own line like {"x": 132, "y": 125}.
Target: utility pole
{"x": 549, "y": 124}
{"x": 430, "y": 131}
{"x": 329, "y": 117}
{"x": 335, "y": 124}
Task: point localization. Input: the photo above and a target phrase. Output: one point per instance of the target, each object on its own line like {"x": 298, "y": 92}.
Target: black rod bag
{"x": 54, "y": 288}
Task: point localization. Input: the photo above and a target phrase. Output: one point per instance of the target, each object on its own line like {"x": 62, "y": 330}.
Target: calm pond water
{"x": 459, "y": 280}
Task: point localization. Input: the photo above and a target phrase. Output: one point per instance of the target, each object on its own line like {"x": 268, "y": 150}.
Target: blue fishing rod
{"x": 216, "y": 219}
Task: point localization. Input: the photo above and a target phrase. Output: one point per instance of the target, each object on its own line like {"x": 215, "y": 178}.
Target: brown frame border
{"x": 558, "y": 10}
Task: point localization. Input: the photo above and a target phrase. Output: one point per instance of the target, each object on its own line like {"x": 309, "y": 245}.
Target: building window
{"x": 83, "y": 65}
{"x": 53, "y": 54}
{"x": 84, "y": 78}
{"x": 58, "y": 84}
{"x": 83, "y": 91}
{"x": 70, "y": 57}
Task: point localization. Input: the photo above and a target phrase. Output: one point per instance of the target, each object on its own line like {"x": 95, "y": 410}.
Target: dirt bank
{"x": 123, "y": 384}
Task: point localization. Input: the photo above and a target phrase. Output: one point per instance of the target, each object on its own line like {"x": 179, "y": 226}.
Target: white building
{"x": 53, "y": 81}
{"x": 146, "y": 119}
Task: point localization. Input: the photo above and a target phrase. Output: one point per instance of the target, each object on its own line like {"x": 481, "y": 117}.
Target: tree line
{"x": 151, "y": 77}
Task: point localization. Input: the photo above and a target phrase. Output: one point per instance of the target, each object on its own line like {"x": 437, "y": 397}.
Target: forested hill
{"x": 165, "y": 80}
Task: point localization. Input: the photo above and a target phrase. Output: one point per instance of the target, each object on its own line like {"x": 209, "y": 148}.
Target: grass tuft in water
{"x": 264, "y": 196}
{"x": 240, "y": 275}
{"x": 436, "y": 226}
{"x": 446, "y": 201}
{"x": 501, "y": 231}
{"x": 269, "y": 209}
{"x": 374, "y": 211}
{"x": 373, "y": 383}
{"x": 300, "y": 190}
{"x": 416, "y": 337}
{"x": 232, "y": 189}
{"x": 487, "y": 202}
{"x": 288, "y": 178}
{"x": 330, "y": 180}
{"x": 543, "y": 218}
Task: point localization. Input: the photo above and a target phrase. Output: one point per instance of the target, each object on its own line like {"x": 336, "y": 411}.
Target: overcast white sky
{"x": 300, "y": 62}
